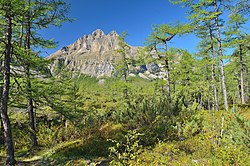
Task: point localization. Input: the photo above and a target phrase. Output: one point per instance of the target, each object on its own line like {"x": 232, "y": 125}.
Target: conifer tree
{"x": 37, "y": 15}
{"x": 207, "y": 51}
{"x": 21, "y": 20}
{"x": 162, "y": 35}
{"x": 236, "y": 38}
{"x": 9, "y": 10}
{"x": 209, "y": 10}
{"x": 123, "y": 64}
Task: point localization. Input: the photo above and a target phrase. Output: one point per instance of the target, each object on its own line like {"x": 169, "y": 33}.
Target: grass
{"x": 77, "y": 152}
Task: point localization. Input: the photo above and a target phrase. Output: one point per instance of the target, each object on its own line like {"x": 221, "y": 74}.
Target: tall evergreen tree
{"x": 209, "y": 10}
{"x": 21, "y": 20}
{"x": 122, "y": 66}
{"x": 236, "y": 38}
{"x": 162, "y": 35}
{"x": 8, "y": 12}
{"x": 37, "y": 15}
{"x": 216, "y": 13}
{"x": 207, "y": 52}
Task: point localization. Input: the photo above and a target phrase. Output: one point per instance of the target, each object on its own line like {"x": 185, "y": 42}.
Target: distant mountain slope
{"x": 92, "y": 54}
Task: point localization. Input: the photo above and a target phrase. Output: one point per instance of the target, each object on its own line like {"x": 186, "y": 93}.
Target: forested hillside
{"x": 101, "y": 101}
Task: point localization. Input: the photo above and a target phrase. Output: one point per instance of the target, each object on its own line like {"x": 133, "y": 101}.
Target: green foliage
{"x": 81, "y": 117}
{"x": 176, "y": 133}
{"x": 122, "y": 62}
{"x": 234, "y": 145}
{"x": 126, "y": 151}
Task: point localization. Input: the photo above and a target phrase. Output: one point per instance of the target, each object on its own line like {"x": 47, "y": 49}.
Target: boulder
{"x": 153, "y": 67}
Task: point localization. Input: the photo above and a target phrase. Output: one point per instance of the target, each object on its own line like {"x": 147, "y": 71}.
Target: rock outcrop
{"x": 92, "y": 54}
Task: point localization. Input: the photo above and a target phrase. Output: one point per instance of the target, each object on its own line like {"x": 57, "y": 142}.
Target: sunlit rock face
{"x": 92, "y": 54}
{"x": 96, "y": 55}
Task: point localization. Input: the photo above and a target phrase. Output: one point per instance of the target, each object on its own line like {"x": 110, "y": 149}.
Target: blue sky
{"x": 134, "y": 16}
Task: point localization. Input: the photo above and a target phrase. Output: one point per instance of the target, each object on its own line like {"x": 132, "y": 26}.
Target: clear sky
{"x": 134, "y": 16}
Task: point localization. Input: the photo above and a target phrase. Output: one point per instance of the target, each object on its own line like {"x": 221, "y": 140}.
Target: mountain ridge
{"x": 92, "y": 54}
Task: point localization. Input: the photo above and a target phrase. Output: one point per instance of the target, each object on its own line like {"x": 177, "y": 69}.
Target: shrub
{"x": 126, "y": 151}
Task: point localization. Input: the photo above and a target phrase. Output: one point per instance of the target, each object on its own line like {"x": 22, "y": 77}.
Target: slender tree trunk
{"x": 215, "y": 98}
{"x": 238, "y": 96}
{"x": 207, "y": 81}
{"x": 33, "y": 138}
{"x": 215, "y": 105}
{"x": 2, "y": 129}
{"x": 125, "y": 75}
{"x": 167, "y": 72}
{"x": 155, "y": 91}
{"x": 208, "y": 96}
{"x": 220, "y": 54}
{"x": 21, "y": 32}
{"x": 10, "y": 157}
{"x": 2, "y": 134}
{"x": 242, "y": 77}
{"x": 247, "y": 85}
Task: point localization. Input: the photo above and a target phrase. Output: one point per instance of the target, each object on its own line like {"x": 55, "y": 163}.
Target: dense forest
{"x": 197, "y": 114}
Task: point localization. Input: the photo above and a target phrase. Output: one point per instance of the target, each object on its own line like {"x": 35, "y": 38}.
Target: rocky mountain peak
{"x": 113, "y": 33}
{"x": 91, "y": 54}
{"x": 97, "y": 34}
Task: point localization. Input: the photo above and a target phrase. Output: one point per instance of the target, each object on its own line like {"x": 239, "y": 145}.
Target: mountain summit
{"x": 92, "y": 54}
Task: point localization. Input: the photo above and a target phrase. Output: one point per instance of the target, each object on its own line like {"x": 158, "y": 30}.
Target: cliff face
{"x": 92, "y": 54}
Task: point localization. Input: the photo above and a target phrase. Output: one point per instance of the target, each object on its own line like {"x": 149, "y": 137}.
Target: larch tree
{"x": 207, "y": 51}
{"x": 236, "y": 38}
{"x": 162, "y": 35}
{"x": 37, "y": 15}
{"x": 123, "y": 62}
{"x": 20, "y": 21}
{"x": 209, "y": 10}
{"x": 216, "y": 13}
{"x": 9, "y": 11}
